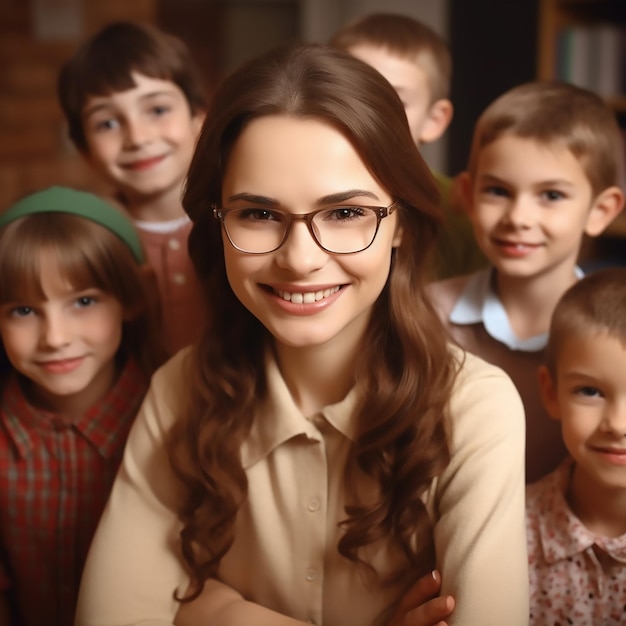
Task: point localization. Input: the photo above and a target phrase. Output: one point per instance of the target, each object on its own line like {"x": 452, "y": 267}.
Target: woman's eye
{"x": 258, "y": 215}
{"x": 344, "y": 213}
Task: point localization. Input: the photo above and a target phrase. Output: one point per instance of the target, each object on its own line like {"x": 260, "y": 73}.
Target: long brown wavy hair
{"x": 406, "y": 372}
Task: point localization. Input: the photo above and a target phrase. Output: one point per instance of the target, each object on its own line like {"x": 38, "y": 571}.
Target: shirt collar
{"x": 573, "y": 537}
{"x": 101, "y": 424}
{"x": 278, "y": 419}
{"x": 479, "y": 303}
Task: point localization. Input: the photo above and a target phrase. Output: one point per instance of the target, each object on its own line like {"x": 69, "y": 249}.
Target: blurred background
{"x": 495, "y": 45}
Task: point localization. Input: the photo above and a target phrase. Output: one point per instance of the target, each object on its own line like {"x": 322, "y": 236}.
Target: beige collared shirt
{"x": 285, "y": 552}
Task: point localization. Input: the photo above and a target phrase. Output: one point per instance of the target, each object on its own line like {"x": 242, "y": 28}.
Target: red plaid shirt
{"x": 55, "y": 479}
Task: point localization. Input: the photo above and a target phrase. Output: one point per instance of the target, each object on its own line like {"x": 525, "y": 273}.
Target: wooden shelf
{"x": 555, "y": 16}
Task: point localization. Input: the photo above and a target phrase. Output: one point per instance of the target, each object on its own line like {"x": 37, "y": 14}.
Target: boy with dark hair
{"x": 134, "y": 103}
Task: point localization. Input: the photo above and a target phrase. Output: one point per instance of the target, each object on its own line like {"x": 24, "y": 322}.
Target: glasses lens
{"x": 255, "y": 230}
{"x": 345, "y": 229}
{"x": 337, "y": 229}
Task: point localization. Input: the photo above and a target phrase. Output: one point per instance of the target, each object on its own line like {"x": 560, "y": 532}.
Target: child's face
{"x": 530, "y": 205}
{"x": 589, "y": 398}
{"x": 409, "y": 81}
{"x": 65, "y": 344}
{"x": 303, "y": 295}
{"x": 142, "y": 140}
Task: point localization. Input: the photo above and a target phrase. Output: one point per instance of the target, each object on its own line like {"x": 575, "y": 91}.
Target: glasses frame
{"x": 380, "y": 211}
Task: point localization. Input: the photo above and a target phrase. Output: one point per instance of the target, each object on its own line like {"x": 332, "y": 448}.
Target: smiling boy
{"x": 134, "y": 104}
{"x": 542, "y": 174}
{"x": 576, "y": 516}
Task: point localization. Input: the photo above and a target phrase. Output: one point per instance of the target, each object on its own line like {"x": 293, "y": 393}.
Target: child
{"x": 417, "y": 63}
{"x": 324, "y": 446}
{"x": 77, "y": 353}
{"x": 576, "y": 516}
{"x": 543, "y": 173}
{"x": 134, "y": 105}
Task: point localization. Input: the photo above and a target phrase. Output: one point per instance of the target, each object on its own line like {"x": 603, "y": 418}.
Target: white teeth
{"x": 306, "y": 297}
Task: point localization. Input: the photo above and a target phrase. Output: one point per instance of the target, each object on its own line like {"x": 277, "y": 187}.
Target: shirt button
{"x": 311, "y": 575}
{"x": 179, "y": 279}
{"x": 174, "y": 244}
{"x": 313, "y": 505}
{"x": 318, "y": 421}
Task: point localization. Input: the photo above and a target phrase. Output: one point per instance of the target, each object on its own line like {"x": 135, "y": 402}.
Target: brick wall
{"x": 34, "y": 150}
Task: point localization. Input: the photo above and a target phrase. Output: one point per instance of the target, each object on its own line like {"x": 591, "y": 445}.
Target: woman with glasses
{"x": 323, "y": 447}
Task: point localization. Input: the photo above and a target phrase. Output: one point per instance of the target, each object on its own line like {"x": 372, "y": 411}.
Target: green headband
{"x": 83, "y": 204}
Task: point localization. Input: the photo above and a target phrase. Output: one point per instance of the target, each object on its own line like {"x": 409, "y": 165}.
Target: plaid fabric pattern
{"x": 55, "y": 479}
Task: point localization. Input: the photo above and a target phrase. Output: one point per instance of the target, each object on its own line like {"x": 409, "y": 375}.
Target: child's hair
{"x": 405, "y": 372}
{"x": 104, "y": 64}
{"x": 88, "y": 255}
{"x": 556, "y": 113}
{"x": 404, "y": 37}
{"x": 595, "y": 304}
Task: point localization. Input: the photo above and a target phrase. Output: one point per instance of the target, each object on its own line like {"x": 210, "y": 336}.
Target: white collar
{"x": 478, "y": 303}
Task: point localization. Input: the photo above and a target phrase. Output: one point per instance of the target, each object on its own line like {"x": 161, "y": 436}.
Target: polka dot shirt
{"x": 576, "y": 577}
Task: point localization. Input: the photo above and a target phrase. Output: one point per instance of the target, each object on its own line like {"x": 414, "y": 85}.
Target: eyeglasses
{"x": 337, "y": 230}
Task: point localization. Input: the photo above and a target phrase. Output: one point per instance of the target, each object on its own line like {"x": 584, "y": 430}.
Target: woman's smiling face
{"x": 299, "y": 165}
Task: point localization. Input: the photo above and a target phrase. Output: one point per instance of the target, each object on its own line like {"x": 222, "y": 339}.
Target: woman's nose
{"x": 300, "y": 253}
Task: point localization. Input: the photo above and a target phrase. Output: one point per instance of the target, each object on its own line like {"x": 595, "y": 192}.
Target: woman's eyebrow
{"x": 333, "y": 198}
{"x": 253, "y": 198}
{"x": 342, "y": 196}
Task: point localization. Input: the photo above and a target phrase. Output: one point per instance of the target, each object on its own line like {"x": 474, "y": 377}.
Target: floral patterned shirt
{"x": 576, "y": 577}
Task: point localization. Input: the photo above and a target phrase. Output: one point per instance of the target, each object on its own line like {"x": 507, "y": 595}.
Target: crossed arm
{"x": 420, "y": 606}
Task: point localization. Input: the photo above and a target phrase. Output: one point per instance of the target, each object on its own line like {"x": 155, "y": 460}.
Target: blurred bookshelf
{"x": 584, "y": 42}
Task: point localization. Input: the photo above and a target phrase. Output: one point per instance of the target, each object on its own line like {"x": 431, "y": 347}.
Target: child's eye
{"x": 589, "y": 391}
{"x": 495, "y": 190}
{"x": 160, "y": 109}
{"x": 552, "y": 195}
{"x": 22, "y": 311}
{"x": 85, "y": 301}
{"x": 105, "y": 125}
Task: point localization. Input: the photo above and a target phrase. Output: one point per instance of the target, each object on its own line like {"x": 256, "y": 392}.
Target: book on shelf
{"x": 593, "y": 57}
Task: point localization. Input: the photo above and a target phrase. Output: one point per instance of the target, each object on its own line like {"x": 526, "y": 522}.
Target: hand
{"x": 421, "y": 604}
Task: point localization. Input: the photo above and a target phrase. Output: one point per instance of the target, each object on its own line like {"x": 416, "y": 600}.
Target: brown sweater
{"x": 183, "y": 306}
{"x": 544, "y": 444}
